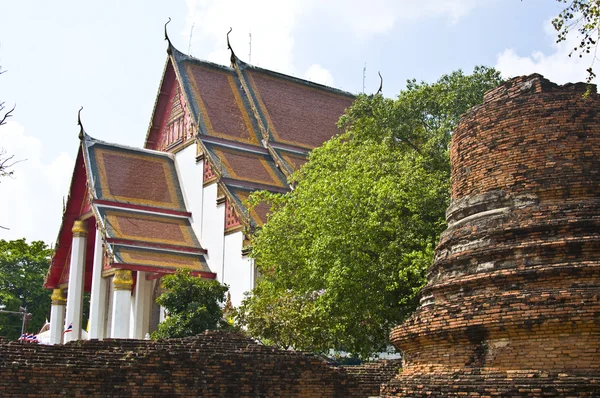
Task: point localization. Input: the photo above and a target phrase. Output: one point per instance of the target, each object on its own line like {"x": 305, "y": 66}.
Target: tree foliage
{"x": 343, "y": 256}
{"x": 22, "y": 270}
{"x": 582, "y": 16}
{"x": 193, "y": 305}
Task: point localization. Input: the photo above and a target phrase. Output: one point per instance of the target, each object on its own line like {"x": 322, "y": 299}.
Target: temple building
{"x": 216, "y": 135}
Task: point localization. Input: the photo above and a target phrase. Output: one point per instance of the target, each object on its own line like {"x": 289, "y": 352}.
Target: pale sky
{"x": 108, "y": 56}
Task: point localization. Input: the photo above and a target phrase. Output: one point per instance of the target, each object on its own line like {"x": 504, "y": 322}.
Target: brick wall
{"x": 211, "y": 364}
{"x": 512, "y": 304}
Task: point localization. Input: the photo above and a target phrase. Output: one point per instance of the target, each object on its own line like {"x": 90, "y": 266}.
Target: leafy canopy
{"x": 344, "y": 255}
{"x": 22, "y": 270}
{"x": 584, "y": 17}
{"x": 193, "y": 305}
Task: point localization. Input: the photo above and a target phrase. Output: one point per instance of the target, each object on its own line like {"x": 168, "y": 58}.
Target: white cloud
{"x": 31, "y": 200}
{"x": 269, "y": 21}
{"x": 316, "y": 73}
{"x": 272, "y": 24}
{"x": 380, "y": 16}
{"x": 556, "y": 66}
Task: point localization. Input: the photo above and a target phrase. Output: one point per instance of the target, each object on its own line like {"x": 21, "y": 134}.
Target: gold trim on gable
{"x": 221, "y": 153}
{"x": 105, "y": 189}
{"x": 112, "y": 217}
{"x": 265, "y": 110}
{"x": 237, "y": 98}
{"x": 161, "y": 260}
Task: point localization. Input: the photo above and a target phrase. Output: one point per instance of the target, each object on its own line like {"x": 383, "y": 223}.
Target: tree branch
{"x": 7, "y": 114}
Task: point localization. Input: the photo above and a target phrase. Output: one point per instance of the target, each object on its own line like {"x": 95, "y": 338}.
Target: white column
{"x": 75, "y": 289}
{"x": 121, "y": 306}
{"x": 141, "y": 314}
{"x": 57, "y": 316}
{"x": 132, "y": 317}
{"x": 97, "y": 297}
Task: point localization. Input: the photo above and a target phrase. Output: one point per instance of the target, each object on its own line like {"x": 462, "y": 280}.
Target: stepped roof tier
{"x": 253, "y": 127}
{"x": 135, "y": 198}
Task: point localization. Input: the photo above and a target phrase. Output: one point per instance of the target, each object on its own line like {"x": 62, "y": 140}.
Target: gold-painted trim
{"x": 180, "y": 147}
{"x": 123, "y": 279}
{"x": 221, "y": 198}
{"x": 58, "y": 297}
{"x": 260, "y": 158}
{"x": 79, "y": 228}
{"x": 162, "y": 260}
{"x": 240, "y": 104}
{"x": 270, "y": 125}
{"x": 232, "y": 230}
{"x": 236, "y": 97}
{"x": 108, "y": 273}
{"x": 112, "y": 216}
{"x": 174, "y": 199}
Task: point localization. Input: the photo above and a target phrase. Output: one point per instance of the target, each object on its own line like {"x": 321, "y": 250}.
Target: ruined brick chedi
{"x": 512, "y": 305}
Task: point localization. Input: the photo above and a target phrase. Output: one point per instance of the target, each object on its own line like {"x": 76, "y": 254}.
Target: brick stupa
{"x": 512, "y": 303}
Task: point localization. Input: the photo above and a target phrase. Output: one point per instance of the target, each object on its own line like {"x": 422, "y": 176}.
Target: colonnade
{"x": 129, "y": 315}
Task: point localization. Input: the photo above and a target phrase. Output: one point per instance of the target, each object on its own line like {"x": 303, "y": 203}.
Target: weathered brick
{"x": 211, "y": 364}
{"x": 512, "y": 303}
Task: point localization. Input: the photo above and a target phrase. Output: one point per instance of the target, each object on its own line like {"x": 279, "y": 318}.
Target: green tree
{"x": 193, "y": 305}
{"x": 582, "y": 16}
{"x": 22, "y": 270}
{"x": 343, "y": 256}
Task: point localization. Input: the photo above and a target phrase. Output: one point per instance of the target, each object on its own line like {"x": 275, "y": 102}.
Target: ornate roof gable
{"x": 254, "y": 127}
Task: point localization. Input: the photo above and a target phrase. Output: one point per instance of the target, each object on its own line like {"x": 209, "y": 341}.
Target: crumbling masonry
{"x": 213, "y": 364}
{"x": 512, "y": 303}
{"x": 511, "y": 309}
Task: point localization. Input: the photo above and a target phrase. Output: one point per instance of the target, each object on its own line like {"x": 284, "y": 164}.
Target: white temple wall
{"x": 108, "y": 307}
{"x": 239, "y": 270}
{"x": 213, "y": 228}
{"x": 191, "y": 176}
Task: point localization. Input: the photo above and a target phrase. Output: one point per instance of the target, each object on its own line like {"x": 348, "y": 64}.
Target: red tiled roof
{"x": 148, "y": 229}
{"x": 297, "y": 113}
{"x": 157, "y": 260}
{"x": 220, "y": 101}
{"x": 244, "y": 165}
{"x": 247, "y": 106}
{"x": 134, "y": 176}
{"x": 293, "y": 160}
{"x": 138, "y": 202}
{"x": 259, "y": 213}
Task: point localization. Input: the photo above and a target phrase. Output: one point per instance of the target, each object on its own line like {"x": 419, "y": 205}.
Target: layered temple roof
{"x": 135, "y": 198}
{"x": 254, "y": 127}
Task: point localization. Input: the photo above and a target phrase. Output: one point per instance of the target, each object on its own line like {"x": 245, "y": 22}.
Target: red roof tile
{"x": 244, "y": 165}
{"x": 134, "y": 176}
{"x": 297, "y": 113}
{"x": 158, "y": 260}
{"x": 148, "y": 228}
{"x": 221, "y": 104}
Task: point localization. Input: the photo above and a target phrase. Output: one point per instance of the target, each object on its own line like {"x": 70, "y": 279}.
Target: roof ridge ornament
{"x": 233, "y": 57}
{"x": 379, "y": 91}
{"x": 166, "y": 34}
{"x": 81, "y": 129}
